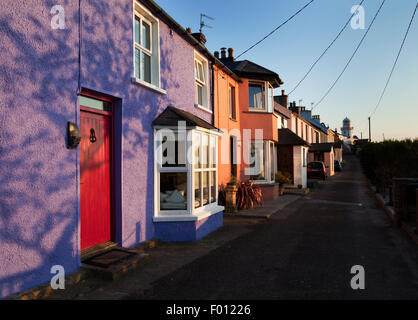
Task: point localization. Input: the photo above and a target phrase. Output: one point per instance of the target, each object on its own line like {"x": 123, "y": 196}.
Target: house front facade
{"x": 139, "y": 88}
{"x": 258, "y": 122}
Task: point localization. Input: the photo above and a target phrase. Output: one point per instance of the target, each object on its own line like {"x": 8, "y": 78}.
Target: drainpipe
{"x": 212, "y": 93}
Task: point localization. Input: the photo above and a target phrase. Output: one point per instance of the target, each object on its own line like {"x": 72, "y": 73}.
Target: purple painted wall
{"x": 39, "y": 176}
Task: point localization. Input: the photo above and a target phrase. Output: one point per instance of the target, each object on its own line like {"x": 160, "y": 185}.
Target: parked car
{"x": 316, "y": 169}
{"x": 337, "y": 166}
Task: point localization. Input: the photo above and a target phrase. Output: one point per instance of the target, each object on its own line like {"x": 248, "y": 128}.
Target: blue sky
{"x": 294, "y": 47}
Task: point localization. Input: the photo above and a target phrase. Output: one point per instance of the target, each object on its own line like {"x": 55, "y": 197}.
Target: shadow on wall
{"x": 38, "y": 175}
{"x": 39, "y": 218}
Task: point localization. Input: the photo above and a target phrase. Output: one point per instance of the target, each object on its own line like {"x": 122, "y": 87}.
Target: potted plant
{"x": 282, "y": 178}
{"x": 231, "y": 196}
{"x": 248, "y": 195}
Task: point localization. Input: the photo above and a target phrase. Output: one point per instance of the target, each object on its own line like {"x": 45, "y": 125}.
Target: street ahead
{"x": 306, "y": 251}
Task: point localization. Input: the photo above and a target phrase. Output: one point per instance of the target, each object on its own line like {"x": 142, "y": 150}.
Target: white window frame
{"x": 144, "y": 15}
{"x": 203, "y": 83}
{"x": 191, "y": 213}
{"x": 267, "y": 87}
{"x": 232, "y": 97}
{"x": 267, "y": 157}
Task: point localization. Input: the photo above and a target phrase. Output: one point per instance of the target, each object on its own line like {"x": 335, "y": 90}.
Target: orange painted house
{"x": 255, "y": 114}
{"x": 227, "y": 119}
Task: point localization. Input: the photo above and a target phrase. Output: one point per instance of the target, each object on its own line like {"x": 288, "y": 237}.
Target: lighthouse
{"x": 347, "y": 129}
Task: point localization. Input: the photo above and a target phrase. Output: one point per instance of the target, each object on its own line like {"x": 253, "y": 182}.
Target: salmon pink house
{"x": 107, "y": 134}
{"x": 257, "y": 122}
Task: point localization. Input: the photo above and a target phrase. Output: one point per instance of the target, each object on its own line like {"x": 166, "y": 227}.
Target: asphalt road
{"x": 306, "y": 252}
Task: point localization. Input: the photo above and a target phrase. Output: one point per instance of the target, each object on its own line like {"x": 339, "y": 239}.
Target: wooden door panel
{"x": 95, "y": 195}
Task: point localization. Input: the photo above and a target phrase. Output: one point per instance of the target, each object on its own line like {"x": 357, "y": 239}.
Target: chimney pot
{"x": 189, "y": 30}
{"x": 231, "y": 54}
{"x": 283, "y": 93}
{"x": 223, "y": 53}
{"x": 216, "y": 54}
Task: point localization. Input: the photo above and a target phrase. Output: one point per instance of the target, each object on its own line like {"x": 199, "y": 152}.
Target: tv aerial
{"x": 202, "y": 22}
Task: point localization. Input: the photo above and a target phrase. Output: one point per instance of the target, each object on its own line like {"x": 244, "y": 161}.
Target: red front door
{"x": 95, "y": 194}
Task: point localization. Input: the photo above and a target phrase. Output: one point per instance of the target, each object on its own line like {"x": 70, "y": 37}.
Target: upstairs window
{"x": 201, "y": 82}
{"x": 256, "y": 96}
{"x": 146, "y": 47}
{"x": 260, "y": 96}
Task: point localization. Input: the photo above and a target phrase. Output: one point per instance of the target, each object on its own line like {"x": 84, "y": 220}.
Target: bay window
{"x": 263, "y": 161}
{"x": 186, "y": 173}
{"x": 261, "y": 96}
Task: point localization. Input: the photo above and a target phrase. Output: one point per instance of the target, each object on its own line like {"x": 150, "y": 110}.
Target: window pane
{"x": 196, "y": 150}
{"x": 256, "y": 95}
{"x": 257, "y": 156}
{"x": 196, "y": 70}
{"x": 146, "y": 35}
{"x": 213, "y": 186}
{"x": 173, "y": 148}
{"x": 137, "y": 23}
{"x": 232, "y": 102}
{"x": 201, "y": 73}
{"x": 173, "y": 191}
{"x": 205, "y": 151}
{"x": 205, "y": 185}
{"x": 146, "y": 67}
{"x": 271, "y": 97}
{"x": 199, "y": 94}
{"x": 197, "y": 189}
{"x": 213, "y": 152}
{"x": 94, "y": 103}
{"x": 137, "y": 54}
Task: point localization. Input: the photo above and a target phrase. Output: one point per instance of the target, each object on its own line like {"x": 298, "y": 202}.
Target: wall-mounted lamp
{"x": 73, "y": 135}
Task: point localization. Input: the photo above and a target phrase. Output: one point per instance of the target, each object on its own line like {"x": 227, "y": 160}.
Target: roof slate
{"x": 321, "y": 147}
{"x": 288, "y": 137}
{"x": 246, "y": 68}
{"x": 172, "y": 115}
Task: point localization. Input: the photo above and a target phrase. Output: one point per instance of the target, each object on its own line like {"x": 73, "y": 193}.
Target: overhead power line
{"x": 323, "y": 53}
{"x": 352, "y": 56}
{"x": 258, "y": 42}
{"x": 396, "y": 60}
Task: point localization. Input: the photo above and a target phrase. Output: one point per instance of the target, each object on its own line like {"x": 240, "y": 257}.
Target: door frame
{"x": 98, "y": 96}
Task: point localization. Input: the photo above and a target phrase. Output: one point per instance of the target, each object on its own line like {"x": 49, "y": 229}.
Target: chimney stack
{"x": 283, "y": 100}
{"x": 231, "y": 54}
{"x": 223, "y": 53}
{"x": 199, "y": 37}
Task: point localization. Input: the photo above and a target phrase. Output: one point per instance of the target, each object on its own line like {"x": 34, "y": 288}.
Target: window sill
{"x": 203, "y": 108}
{"x": 148, "y": 85}
{"x": 261, "y": 111}
{"x": 200, "y": 214}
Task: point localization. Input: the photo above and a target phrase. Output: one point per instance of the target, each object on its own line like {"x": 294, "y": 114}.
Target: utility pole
{"x": 370, "y": 132}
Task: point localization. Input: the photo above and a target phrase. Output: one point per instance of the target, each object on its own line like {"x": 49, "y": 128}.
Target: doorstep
{"x": 113, "y": 263}
{"x": 86, "y": 271}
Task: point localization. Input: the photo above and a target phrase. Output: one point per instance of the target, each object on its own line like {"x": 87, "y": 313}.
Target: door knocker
{"x": 92, "y": 136}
